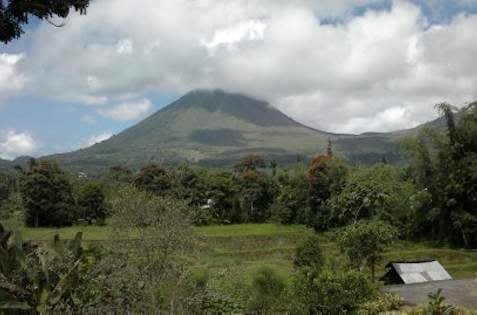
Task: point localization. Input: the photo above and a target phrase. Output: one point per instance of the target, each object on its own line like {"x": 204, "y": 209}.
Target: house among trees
{"x": 407, "y": 272}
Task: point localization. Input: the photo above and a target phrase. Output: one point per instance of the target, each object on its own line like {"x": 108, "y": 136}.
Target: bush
{"x": 382, "y": 303}
{"x": 308, "y": 255}
{"x": 332, "y": 292}
{"x": 267, "y": 289}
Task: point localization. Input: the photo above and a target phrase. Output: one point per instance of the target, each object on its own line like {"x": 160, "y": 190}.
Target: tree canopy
{"x": 14, "y": 14}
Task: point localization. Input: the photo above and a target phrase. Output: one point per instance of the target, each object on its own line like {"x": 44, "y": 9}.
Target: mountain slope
{"x": 217, "y": 128}
{"x": 208, "y": 127}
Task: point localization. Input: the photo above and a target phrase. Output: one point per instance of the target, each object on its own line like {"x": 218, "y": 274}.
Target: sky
{"x": 347, "y": 66}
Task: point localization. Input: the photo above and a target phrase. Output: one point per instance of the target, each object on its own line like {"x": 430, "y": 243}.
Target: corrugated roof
{"x": 417, "y": 272}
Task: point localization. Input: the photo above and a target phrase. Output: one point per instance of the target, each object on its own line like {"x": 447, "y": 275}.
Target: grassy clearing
{"x": 232, "y": 253}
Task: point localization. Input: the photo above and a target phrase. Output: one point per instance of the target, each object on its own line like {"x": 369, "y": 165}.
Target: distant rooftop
{"x": 407, "y": 272}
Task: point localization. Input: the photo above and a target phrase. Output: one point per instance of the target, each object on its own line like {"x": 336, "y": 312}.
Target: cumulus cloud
{"x": 11, "y": 81}
{"x": 14, "y": 144}
{"x": 381, "y": 69}
{"x": 127, "y": 111}
{"x": 230, "y": 36}
{"x": 95, "y": 139}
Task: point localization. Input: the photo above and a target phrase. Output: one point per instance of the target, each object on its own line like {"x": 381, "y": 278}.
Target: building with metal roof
{"x": 407, "y": 272}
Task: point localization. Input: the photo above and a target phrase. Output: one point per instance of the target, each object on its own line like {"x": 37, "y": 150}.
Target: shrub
{"x": 267, "y": 288}
{"x": 332, "y": 293}
{"x": 382, "y": 303}
{"x": 308, "y": 255}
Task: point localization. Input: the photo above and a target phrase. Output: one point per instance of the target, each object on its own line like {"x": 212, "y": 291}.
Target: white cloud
{"x": 11, "y": 81}
{"x": 95, "y": 139}
{"x": 331, "y": 76}
{"x": 14, "y": 144}
{"x": 126, "y": 111}
{"x": 124, "y": 47}
{"x": 230, "y": 36}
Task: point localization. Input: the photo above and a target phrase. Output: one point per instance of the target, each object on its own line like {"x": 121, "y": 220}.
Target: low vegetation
{"x": 258, "y": 238}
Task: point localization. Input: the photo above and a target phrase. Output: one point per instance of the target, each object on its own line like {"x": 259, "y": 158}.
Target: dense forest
{"x": 432, "y": 197}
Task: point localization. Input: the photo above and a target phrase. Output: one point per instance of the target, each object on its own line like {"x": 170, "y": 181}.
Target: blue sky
{"x": 344, "y": 66}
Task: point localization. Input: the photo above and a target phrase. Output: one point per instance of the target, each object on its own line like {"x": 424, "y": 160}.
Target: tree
{"x": 326, "y": 176}
{"x": 119, "y": 174}
{"x": 220, "y": 189}
{"x": 293, "y": 201}
{"x": 14, "y": 14}
{"x": 47, "y": 196}
{"x": 250, "y": 163}
{"x": 156, "y": 233}
{"x": 378, "y": 192}
{"x": 444, "y": 167}
{"x": 256, "y": 194}
{"x": 329, "y": 148}
{"x": 308, "y": 256}
{"x": 153, "y": 178}
{"x": 365, "y": 241}
{"x": 189, "y": 185}
{"x": 91, "y": 203}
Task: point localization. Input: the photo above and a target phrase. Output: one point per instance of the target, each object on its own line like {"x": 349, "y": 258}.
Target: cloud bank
{"x": 319, "y": 61}
{"x": 13, "y": 144}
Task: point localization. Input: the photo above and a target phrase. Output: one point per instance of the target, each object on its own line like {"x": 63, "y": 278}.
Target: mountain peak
{"x": 239, "y": 105}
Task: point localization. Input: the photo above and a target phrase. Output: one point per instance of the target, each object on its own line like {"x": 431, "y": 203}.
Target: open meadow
{"x": 232, "y": 253}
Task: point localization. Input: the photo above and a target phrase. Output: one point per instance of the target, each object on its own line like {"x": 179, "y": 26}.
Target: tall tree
{"x": 444, "y": 166}
{"x": 326, "y": 176}
{"x": 47, "y": 196}
{"x": 364, "y": 243}
{"x": 91, "y": 203}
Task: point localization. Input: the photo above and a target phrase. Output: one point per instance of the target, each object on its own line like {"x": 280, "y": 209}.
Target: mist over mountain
{"x": 216, "y": 128}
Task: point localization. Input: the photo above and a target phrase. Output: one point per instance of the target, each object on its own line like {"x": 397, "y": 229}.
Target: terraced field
{"x": 232, "y": 253}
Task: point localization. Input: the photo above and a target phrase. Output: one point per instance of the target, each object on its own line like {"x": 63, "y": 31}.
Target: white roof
{"x": 416, "y": 272}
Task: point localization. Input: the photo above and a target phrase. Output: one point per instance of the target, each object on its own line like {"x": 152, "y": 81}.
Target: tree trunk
{"x": 36, "y": 220}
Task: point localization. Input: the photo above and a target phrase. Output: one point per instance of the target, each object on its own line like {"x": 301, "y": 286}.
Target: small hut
{"x": 407, "y": 272}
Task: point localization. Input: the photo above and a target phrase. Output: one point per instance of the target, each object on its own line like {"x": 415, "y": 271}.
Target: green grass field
{"x": 233, "y": 253}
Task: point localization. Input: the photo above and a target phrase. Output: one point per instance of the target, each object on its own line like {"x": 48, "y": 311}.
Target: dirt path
{"x": 462, "y": 292}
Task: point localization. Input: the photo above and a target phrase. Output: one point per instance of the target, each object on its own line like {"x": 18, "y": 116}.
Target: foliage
{"x": 91, "y": 203}
{"x": 384, "y": 302}
{"x": 308, "y": 255}
{"x": 15, "y": 13}
{"x": 47, "y": 195}
{"x": 332, "y": 293}
{"x": 256, "y": 194}
{"x": 326, "y": 177}
{"x": 153, "y": 178}
{"x": 365, "y": 241}
{"x": 220, "y": 189}
{"x": 293, "y": 201}
{"x": 119, "y": 174}
{"x": 9, "y": 196}
{"x": 378, "y": 192}
{"x": 156, "y": 233}
{"x": 249, "y": 163}
{"x": 189, "y": 186}
{"x": 444, "y": 167}
{"x": 41, "y": 278}
{"x": 267, "y": 288}
{"x": 437, "y": 305}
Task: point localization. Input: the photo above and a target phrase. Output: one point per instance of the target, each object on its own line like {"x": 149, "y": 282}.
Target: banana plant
{"x": 38, "y": 278}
